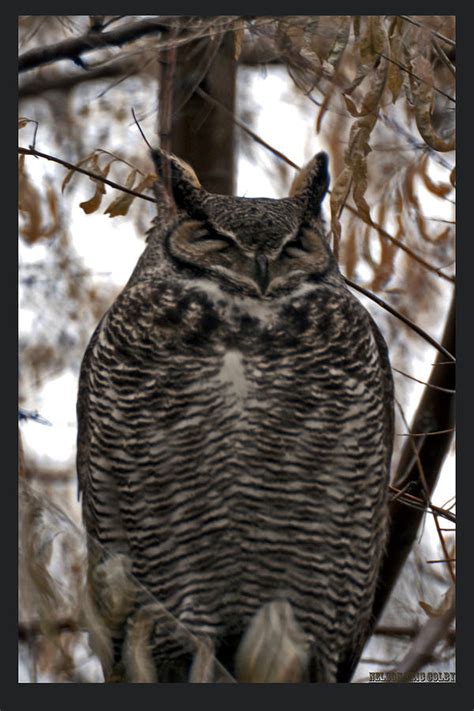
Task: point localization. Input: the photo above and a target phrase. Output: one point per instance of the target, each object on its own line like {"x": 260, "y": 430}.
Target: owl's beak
{"x": 261, "y": 272}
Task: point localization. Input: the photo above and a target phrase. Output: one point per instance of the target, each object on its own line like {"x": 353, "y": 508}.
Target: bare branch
{"x": 421, "y": 651}
{"x": 94, "y": 176}
{"x": 407, "y": 632}
{"x": 75, "y": 47}
{"x": 65, "y": 82}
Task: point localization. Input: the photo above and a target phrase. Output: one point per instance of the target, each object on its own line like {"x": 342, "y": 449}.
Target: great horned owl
{"x": 235, "y": 432}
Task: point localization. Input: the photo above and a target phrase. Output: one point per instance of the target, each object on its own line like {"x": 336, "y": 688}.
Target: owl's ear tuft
{"x": 179, "y": 179}
{"x": 312, "y": 183}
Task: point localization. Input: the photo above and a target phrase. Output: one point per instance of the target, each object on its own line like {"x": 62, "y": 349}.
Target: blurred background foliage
{"x": 246, "y": 102}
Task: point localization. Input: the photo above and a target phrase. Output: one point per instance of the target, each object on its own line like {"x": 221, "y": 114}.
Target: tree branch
{"x": 90, "y": 174}
{"x": 75, "y": 47}
{"x": 66, "y": 81}
{"x": 435, "y": 413}
{"x": 421, "y": 651}
{"x": 408, "y": 632}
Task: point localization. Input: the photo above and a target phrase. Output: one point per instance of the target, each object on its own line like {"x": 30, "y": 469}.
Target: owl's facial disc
{"x": 259, "y": 269}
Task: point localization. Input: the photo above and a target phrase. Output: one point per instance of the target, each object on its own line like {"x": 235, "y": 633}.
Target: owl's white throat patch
{"x": 232, "y": 374}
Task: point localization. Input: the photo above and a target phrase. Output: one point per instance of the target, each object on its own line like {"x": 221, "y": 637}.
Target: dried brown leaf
{"x": 439, "y": 189}
{"x": 53, "y": 204}
{"x": 422, "y": 90}
{"x": 359, "y": 189}
{"x": 340, "y": 42}
{"x": 388, "y": 250}
{"x": 29, "y": 204}
{"x": 395, "y": 76}
{"x": 338, "y": 197}
{"x": 377, "y": 76}
{"x": 324, "y": 106}
{"x": 373, "y": 97}
{"x": 93, "y": 204}
{"x": 356, "y": 160}
{"x": 290, "y": 33}
{"x": 372, "y": 39}
{"x": 350, "y": 251}
{"x": 121, "y": 205}
{"x": 238, "y": 37}
{"x": 350, "y": 105}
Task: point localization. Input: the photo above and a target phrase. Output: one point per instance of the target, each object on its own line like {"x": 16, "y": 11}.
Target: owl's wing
{"x": 82, "y": 410}
{"x": 386, "y": 369}
{"x": 348, "y": 664}
{"x": 96, "y": 485}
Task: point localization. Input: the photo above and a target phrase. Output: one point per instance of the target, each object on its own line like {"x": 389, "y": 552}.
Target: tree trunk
{"x": 191, "y": 127}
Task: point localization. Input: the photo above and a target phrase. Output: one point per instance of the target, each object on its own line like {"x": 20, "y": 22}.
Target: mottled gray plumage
{"x": 235, "y": 432}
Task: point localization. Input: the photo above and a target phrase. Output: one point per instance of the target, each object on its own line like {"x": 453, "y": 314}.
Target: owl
{"x": 235, "y": 427}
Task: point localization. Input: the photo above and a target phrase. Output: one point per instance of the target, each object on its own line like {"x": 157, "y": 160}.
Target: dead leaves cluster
{"x": 398, "y": 213}
{"x": 121, "y": 204}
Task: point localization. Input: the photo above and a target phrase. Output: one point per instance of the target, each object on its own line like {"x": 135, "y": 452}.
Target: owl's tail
{"x": 274, "y": 648}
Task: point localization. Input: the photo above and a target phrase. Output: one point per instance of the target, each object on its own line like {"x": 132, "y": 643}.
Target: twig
{"x": 74, "y": 48}
{"x": 418, "y": 503}
{"x": 140, "y": 129}
{"x": 422, "y": 382}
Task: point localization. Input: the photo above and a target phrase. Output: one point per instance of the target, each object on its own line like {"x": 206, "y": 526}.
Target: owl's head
{"x": 254, "y": 246}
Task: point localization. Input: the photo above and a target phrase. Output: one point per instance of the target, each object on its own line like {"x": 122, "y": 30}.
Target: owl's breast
{"x": 245, "y": 437}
